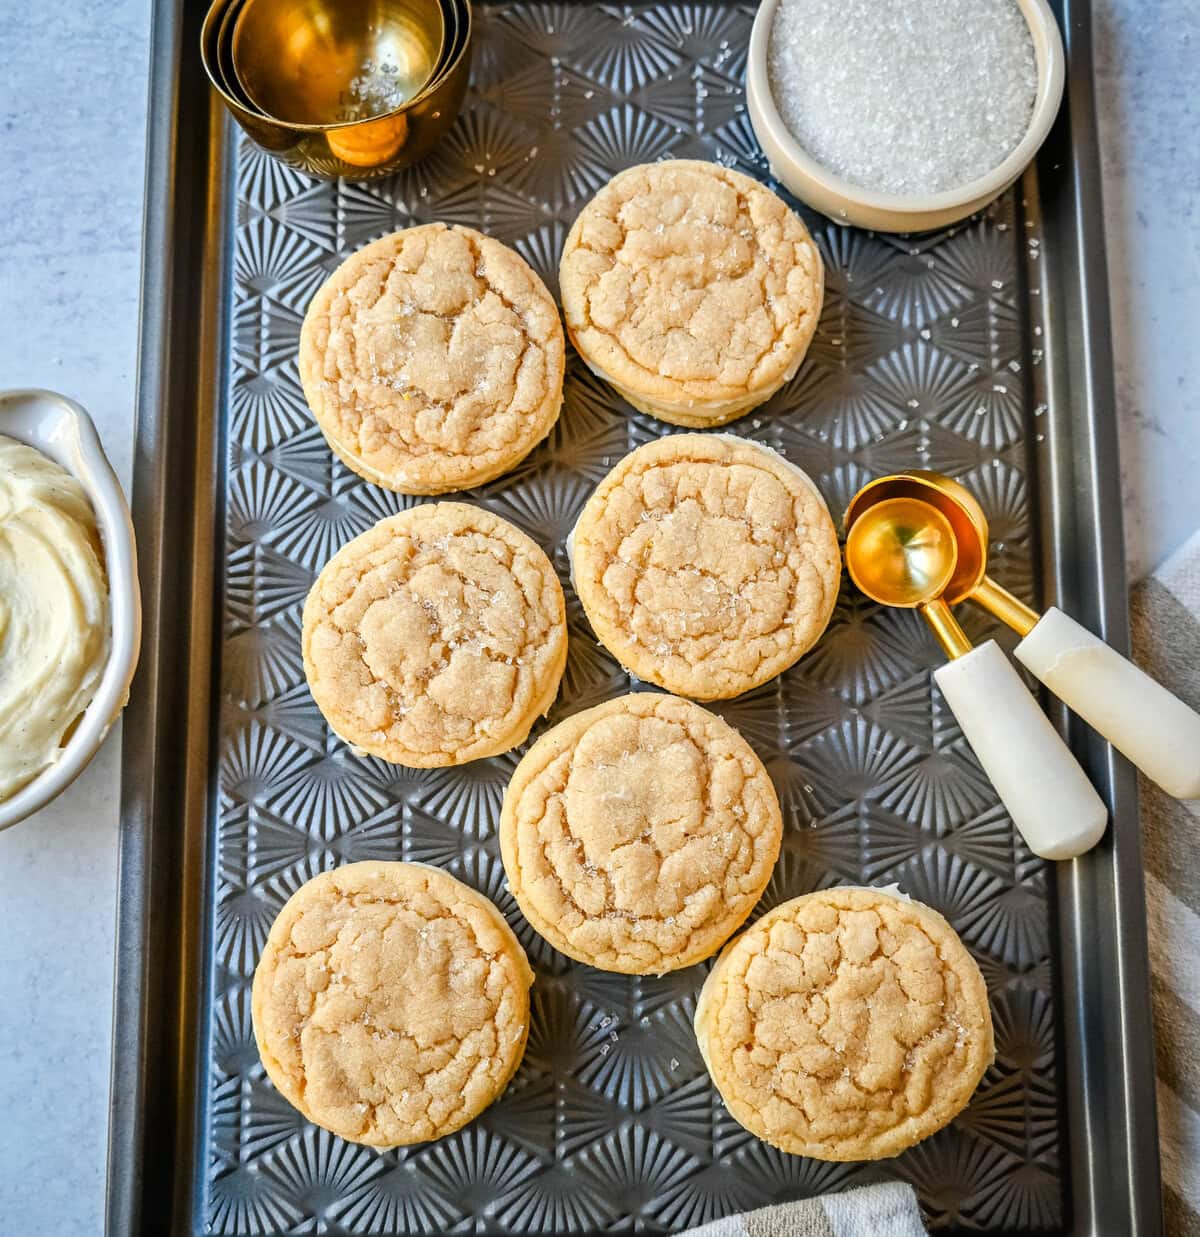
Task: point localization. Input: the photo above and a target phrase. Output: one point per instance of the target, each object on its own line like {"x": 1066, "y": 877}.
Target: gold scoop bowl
{"x": 905, "y": 554}
{"x": 936, "y": 495}
{"x": 911, "y": 512}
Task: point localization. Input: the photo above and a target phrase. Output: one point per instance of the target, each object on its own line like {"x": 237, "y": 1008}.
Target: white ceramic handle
{"x": 1139, "y": 717}
{"x": 1047, "y": 794}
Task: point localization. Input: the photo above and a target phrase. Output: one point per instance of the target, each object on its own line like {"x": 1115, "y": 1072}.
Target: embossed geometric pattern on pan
{"x": 691, "y": 288}
{"x": 391, "y": 1003}
{"x": 611, "y": 1120}
{"x": 706, "y": 563}
{"x": 846, "y": 1025}
{"x": 436, "y": 637}
{"x": 639, "y": 834}
{"x": 432, "y": 359}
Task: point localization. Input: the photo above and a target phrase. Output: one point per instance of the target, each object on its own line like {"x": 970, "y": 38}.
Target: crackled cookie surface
{"x": 846, "y": 1025}
{"x": 639, "y": 834}
{"x": 391, "y": 1003}
{"x": 691, "y": 288}
{"x": 437, "y": 637}
{"x": 706, "y": 563}
{"x": 433, "y": 359}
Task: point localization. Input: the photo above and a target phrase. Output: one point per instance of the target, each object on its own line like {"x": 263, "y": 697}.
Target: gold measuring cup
{"x": 361, "y": 146}
{"x": 903, "y": 552}
{"x": 1149, "y": 725}
{"x": 324, "y": 63}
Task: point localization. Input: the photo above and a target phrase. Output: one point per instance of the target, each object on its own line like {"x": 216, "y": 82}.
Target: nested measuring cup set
{"x": 919, "y": 540}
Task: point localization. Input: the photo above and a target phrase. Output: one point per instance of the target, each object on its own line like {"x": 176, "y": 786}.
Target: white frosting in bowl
{"x": 62, "y": 432}
{"x": 54, "y": 610}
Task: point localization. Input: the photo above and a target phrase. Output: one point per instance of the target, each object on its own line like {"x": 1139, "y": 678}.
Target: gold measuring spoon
{"x": 903, "y": 552}
{"x": 1149, "y": 725}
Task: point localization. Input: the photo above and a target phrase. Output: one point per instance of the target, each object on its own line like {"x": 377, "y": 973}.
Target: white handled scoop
{"x": 902, "y": 552}
{"x": 1148, "y": 725}
{"x": 1154, "y": 729}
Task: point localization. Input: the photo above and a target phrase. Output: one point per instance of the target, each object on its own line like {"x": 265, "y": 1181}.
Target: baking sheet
{"x": 949, "y": 350}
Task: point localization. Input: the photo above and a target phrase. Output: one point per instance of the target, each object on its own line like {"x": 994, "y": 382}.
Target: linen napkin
{"x": 872, "y": 1211}
{"x": 1165, "y": 609}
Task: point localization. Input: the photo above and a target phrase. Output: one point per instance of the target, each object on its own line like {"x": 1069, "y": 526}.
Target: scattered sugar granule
{"x": 374, "y": 91}
{"x": 909, "y": 96}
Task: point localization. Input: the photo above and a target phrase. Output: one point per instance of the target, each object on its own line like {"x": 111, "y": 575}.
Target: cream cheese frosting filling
{"x": 54, "y": 611}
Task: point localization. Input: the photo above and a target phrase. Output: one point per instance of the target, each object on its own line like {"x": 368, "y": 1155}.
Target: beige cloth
{"x": 1166, "y": 640}
{"x": 873, "y": 1211}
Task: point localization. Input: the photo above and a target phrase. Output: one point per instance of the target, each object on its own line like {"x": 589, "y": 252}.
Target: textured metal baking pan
{"x": 982, "y": 351}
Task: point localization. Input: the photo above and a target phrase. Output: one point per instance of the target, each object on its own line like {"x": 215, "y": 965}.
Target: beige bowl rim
{"x": 845, "y": 202}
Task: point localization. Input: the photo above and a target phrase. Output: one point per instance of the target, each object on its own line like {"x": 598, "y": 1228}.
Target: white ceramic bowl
{"x": 61, "y": 429}
{"x": 844, "y": 202}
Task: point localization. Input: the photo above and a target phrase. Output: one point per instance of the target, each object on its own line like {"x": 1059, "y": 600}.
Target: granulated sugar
{"x": 904, "y": 96}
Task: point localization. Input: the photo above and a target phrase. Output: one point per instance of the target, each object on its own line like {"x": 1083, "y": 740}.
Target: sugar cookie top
{"x": 391, "y": 1003}
{"x": 639, "y": 834}
{"x": 706, "y": 563}
{"x": 433, "y": 359}
{"x": 846, "y": 1025}
{"x": 436, "y": 637}
{"x": 684, "y": 280}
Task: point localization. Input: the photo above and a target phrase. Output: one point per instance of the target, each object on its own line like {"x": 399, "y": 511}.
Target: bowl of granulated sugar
{"x": 904, "y": 115}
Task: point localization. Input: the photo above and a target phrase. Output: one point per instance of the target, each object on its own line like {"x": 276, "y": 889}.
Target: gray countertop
{"x": 72, "y": 112}
{"x": 72, "y": 119}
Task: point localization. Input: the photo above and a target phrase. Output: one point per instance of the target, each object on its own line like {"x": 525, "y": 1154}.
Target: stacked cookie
{"x": 637, "y": 836}
{"x": 692, "y": 289}
{"x": 845, "y": 1025}
{"x": 436, "y": 637}
{"x": 706, "y": 563}
{"x": 433, "y": 360}
{"x": 391, "y": 1002}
